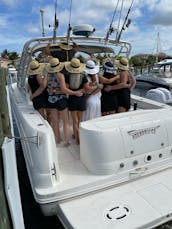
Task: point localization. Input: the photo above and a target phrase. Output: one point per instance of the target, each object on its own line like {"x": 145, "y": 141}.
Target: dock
{"x": 5, "y": 130}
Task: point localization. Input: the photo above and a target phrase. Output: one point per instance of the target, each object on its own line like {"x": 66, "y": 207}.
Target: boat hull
{"x": 141, "y": 83}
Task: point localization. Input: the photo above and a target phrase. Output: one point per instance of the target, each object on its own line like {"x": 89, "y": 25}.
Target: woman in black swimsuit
{"x": 34, "y": 82}
{"x": 109, "y": 103}
{"x": 123, "y": 87}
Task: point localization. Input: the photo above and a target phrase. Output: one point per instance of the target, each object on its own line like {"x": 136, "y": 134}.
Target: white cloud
{"x": 3, "y": 21}
{"x": 148, "y": 18}
{"x": 10, "y": 3}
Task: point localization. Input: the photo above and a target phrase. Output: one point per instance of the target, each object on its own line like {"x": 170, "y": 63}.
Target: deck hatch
{"x": 116, "y": 213}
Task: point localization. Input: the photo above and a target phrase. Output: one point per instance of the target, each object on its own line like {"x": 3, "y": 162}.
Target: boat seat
{"x": 160, "y": 94}
{"x": 166, "y": 92}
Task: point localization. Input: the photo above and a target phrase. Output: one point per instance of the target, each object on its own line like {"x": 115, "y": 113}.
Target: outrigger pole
{"x": 56, "y": 22}
{"x": 69, "y": 26}
{"x": 126, "y": 23}
{"x": 111, "y": 29}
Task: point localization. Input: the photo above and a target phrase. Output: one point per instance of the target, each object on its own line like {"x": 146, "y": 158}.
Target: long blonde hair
{"x": 75, "y": 80}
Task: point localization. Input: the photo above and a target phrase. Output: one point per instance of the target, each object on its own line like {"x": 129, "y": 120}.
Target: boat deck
{"x": 144, "y": 203}
{"x": 72, "y": 169}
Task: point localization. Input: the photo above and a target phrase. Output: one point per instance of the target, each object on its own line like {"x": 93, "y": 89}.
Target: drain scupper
{"x": 117, "y": 212}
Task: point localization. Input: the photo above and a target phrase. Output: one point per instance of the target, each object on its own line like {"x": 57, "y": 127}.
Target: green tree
{"x": 5, "y": 53}
{"x": 13, "y": 55}
{"x": 9, "y": 55}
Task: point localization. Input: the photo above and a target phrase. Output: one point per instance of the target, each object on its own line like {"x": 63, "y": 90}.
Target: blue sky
{"x": 20, "y": 20}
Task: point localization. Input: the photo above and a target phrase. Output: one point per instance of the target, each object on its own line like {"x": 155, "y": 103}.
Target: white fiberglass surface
{"x": 148, "y": 201}
{"x": 72, "y": 171}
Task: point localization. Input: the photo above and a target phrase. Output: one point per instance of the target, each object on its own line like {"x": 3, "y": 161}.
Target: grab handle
{"x": 138, "y": 171}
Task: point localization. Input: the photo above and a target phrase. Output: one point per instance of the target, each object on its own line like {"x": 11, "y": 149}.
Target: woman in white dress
{"x": 93, "y": 104}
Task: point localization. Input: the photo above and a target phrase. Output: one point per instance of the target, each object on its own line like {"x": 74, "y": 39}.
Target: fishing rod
{"x": 111, "y": 29}
{"x": 126, "y": 23}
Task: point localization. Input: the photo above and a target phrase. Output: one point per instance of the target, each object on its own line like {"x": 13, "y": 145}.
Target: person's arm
{"x": 64, "y": 88}
{"x": 132, "y": 81}
{"x": 47, "y": 50}
{"x": 104, "y": 80}
{"x": 123, "y": 82}
{"x": 93, "y": 88}
{"x": 42, "y": 83}
{"x": 75, "y": 47}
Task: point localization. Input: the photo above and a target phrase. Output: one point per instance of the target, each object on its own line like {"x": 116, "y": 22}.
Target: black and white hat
{"x": 108, "y": 67}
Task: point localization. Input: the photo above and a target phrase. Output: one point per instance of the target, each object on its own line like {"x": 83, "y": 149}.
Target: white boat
{"x": 161, "y": 76}
{"x": 120, "y": 174}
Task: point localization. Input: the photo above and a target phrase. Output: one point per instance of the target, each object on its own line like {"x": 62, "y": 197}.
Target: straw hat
{"x": 74, "y": 66}
{"x": 55, "y": 65}
{"x": 65, "y": 45}
{"x": 91, "y": 68}
{"x": 122, "y": 64}
{"x": 35, "y": 68}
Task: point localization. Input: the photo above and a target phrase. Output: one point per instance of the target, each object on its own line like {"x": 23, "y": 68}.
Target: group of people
{"x": 80, "y": 89}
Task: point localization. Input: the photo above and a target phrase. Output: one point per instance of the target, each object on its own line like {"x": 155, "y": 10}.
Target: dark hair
{"x": 108, "y": 64}
{"x": 108, "y": 67}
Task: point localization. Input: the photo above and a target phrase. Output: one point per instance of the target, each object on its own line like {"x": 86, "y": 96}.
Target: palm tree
{"x": 5, "y": 53}
{"x": 13, "y": 55}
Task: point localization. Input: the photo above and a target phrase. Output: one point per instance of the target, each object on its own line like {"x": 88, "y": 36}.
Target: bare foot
{"x": 67, "y": 144}
{"x": 77, "y": 141}
{"x": 58, "y": 140}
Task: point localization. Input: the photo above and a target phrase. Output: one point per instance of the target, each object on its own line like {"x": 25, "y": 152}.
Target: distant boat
{"x": 12, "y": 74}
{"x": 161, "y": 76}
{"x": 120, "y": 174}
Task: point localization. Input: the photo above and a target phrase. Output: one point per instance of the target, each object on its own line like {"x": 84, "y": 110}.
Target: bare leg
{"x": 75, "y": 125}
{"x": 54, "y": 117}
{"x": 79, "y": 117}
{"x": 66, "y": 127}
{"x": 42, "y": 112}
{"x": 48, "y": 112}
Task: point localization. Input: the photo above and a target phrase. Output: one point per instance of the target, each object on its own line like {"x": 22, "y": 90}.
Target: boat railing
{"x": 88, "y": 45}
